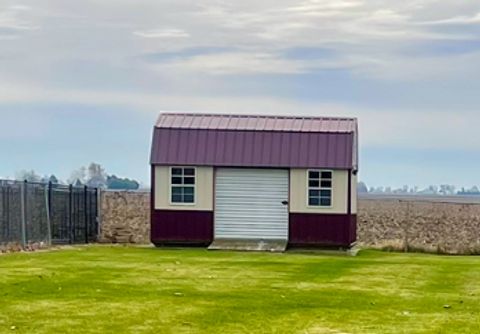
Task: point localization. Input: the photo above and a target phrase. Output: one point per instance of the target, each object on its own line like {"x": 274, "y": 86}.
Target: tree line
{"x": 443, "y": 190}
{"x": 94, "y": 175}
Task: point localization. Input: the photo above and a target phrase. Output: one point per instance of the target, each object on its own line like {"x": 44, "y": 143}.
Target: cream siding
{"x": 298, "y": 192}
{"x": 354, "y": 193}
{"x": 203, "y": 190}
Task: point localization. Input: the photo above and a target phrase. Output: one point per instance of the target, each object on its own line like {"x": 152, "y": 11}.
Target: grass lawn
{"x": 109, "y": 289}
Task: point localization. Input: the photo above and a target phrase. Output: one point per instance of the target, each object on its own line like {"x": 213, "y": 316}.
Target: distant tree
{"x": 431, "y": 190}
{"x": 447, "y": 189}
{"x": 114, "y": 182}
{"x": 472, "y": 191}
{"x": 96, "y": 176}
{"x": 28, "y": 175}
{"x": 53, "y": 179}
{"x": 362, "y": 188}
{"x": 78, "y": 175}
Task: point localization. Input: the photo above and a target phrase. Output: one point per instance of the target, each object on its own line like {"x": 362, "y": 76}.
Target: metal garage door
{"x": 248, "y": 204}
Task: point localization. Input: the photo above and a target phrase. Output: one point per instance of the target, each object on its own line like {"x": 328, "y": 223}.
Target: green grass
{"x": 107, "y": 289}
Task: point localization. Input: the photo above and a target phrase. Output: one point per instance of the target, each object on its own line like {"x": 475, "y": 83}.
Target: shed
{"x": 259, "y": 178}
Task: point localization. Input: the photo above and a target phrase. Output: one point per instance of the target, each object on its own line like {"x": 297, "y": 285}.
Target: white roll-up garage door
{"x": 248, "y": 204}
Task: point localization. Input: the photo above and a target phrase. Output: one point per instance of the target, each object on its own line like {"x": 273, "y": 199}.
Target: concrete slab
{"x": 327, "y": 251}
{"x": 249, "y": 245}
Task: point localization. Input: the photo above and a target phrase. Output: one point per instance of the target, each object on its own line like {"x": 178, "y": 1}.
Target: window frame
{"x": 319, "y": 206}
{"x": 171, "y": 185}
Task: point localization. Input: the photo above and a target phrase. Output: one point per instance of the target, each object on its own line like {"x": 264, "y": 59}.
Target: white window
{"x": 182, "y": 185}
{"x": 320, "y": 188}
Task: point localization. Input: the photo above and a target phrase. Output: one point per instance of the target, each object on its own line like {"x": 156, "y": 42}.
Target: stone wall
{"x": 397, "y": 224}
{"x": 125, "y": 217}
{"x": 415, "y": 225}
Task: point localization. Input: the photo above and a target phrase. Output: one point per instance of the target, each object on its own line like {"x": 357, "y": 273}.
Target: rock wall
{"x": 410, "y": 225}
{"x": 414, "y": 225}
{"x": 125, "y": 217}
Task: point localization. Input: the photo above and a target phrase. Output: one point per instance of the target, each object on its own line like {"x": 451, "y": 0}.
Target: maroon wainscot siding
{"x": 307, "y": 229}
{"x": 182, "y": 227}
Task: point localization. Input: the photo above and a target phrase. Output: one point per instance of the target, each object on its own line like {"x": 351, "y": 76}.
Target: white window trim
{"x": 170, "y": 187}
{"x": 308, "y": 188}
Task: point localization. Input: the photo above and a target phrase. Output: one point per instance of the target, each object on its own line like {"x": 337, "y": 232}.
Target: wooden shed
{"x": 257, "y": 178}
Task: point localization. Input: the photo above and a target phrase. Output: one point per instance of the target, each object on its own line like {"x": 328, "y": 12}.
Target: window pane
{"x": 176, "y": 198}
{"x": 176, "y": 180}
{"x": 325, "y": 193}
{"x": 176, "y": 171}
{"x": 313, "y": 175}
{"x": 189, "y": 171}
{"x": 313, "y": 183}
{"x": 326, "y": 175}
{"x": 176, "y": 190}
{"x": 188, "y": 198}
{"x": 188, "y": 190}
{"x": 188, "y": 180}
{"x": 326, "y": 184}
{"x": 313, "y": 193}
{"x": 325, "y": 201}
{"x": 313, "y": 201}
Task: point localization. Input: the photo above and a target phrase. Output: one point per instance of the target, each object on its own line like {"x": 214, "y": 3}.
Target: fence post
{"x": 23, "y": 208}
{"x": 85, "y": 213}
{"x": 6, "y": 210}
{"x": 48, "y": 192}
{"x": 70, "y": 212}
{"x": 98, "y": 213}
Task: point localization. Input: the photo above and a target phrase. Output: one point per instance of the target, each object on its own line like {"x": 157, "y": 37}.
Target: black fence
{"x": 47, "y": 213}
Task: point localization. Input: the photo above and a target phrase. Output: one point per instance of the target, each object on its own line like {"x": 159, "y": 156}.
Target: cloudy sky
{"x": 83, "y": 81}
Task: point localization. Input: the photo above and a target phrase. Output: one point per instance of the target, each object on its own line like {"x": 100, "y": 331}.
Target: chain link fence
{"x": 48, "y": 214}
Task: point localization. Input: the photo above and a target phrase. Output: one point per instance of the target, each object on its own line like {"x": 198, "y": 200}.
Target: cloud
{"x": 258, "y": 56}
{"x": 20, "y": 7}
{"x": 234, "y": 63}
{"x": 312, "y": 6}
{"x": 456, "y": 20}
{"x": 427, "y": 68}
{"x": 384, "y": 128}
{"x": 162, "y": 33}
{"x": 364, "y": 35}
{"x": 12, "y": 24}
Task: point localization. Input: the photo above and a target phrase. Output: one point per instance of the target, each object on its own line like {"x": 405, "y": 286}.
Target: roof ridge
{"x": 272, "y": 116}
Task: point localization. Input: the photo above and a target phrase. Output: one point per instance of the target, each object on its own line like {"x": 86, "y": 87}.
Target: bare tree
{"x": 96, "y": 176}
{"x": 78, "y": 175}
{"x": 362, "y": 188}
{"x": 28, "y": 175}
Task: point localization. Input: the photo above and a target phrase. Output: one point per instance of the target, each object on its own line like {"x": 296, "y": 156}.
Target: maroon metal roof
{"x": 256, "y": 123}
{"x": 255, "y": 141}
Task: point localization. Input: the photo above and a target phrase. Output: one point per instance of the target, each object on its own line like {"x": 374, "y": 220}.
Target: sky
{"x": 84, "y": 81}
